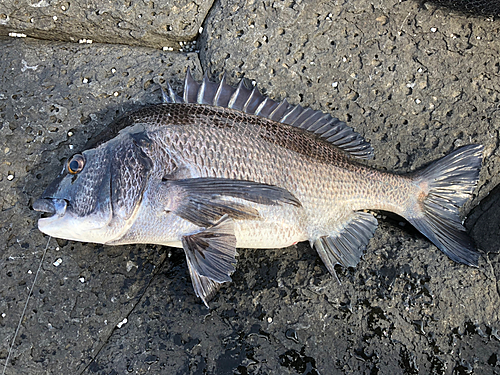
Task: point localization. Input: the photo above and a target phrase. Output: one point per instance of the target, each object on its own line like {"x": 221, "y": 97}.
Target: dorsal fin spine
{"x": 266, "y": 108}
{"x": 201, "y": 90}
{"x": 292, "y": 115}
{"x": 165, "y": 98}
{"x": 320, "y": 123}
{"x": 219, "y": 90}
{"x": 304, "y": 118}
{"x": 191, "y": 88}
{"x": 279, "y": 110}
{"x": 173, "y": 96}
{"x": 235, "y": 95}
{"x": 255, "y": 94}
{"x": 251, "y": 101}
{"x": 261, "y": 106}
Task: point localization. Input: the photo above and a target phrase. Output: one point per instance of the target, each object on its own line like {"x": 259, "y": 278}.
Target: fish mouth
{"x": 50, "y": 207}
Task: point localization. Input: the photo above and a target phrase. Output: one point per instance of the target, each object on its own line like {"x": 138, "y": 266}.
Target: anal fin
{"x": 347, "y": 245}
{"x": 211, "y": 257}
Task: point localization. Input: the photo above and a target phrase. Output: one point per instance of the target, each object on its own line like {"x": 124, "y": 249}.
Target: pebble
{"x": 17, "y": 35}
{"x": 382, "y": 20}
{"x": 124, "y": 321}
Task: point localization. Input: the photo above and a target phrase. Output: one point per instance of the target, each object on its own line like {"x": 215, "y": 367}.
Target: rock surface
{"x": 415, "y": 81}
{"x": 155, "y": 24}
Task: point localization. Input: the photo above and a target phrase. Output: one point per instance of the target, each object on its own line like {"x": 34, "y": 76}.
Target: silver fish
{"x": 222, "y": 168}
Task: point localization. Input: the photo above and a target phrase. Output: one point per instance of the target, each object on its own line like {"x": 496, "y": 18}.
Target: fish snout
{"x": 50, "y": 206}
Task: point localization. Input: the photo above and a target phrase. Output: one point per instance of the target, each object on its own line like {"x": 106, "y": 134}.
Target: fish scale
{"x": 333, "y": 180}
{"x": 222, "y": 167}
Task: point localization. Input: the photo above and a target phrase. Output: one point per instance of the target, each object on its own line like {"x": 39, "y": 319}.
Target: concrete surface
{"x": 417, "y": 81}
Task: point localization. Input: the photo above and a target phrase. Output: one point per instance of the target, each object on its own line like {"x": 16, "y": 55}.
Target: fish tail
{"x": 445, "y": 186}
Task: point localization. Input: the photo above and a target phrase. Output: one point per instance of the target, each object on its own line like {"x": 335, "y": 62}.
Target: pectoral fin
{"x": 211, "y": 257}
{"x": 203, "y": 201}
{"x": 347, "y": 245}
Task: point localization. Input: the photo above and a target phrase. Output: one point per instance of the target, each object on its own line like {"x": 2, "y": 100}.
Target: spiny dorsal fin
{"x": 251, "y": 101}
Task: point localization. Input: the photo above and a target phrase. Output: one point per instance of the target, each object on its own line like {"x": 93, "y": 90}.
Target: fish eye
{"x": 75, "y": 164}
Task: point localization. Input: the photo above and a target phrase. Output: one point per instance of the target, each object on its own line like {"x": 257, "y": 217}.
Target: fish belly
{"x": 277, "y": 227}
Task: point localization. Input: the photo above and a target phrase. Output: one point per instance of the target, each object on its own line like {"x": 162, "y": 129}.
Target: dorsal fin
{"x": 251, "y": 101}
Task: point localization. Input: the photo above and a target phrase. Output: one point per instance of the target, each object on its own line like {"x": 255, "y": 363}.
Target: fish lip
{"x": 54, "y": 207}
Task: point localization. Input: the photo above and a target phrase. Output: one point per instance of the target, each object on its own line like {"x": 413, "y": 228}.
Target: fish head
{"x": 95, "y": 196}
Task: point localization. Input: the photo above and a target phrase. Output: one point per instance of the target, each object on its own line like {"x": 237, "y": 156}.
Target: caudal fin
{"x": 448, "y": 184}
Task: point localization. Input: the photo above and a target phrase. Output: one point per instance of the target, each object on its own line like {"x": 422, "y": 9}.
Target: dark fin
{"x": 204, "y": 287}
{"x": 248, "y": 190}
{"x": 347, "y": 246}
{"x": 202, "y": 201}
{"x": 448, "y": 183}
{"x": 251, "y": 101}
{"x": 211, "y": 257}
{"x": 204, "y": 211}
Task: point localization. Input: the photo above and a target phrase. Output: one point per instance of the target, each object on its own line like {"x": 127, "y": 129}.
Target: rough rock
{"x": 417, "y": 81}
{"x": 155, "y": 24}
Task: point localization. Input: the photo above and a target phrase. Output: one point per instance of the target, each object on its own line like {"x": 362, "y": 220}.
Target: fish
{"x": 222, "y": 167}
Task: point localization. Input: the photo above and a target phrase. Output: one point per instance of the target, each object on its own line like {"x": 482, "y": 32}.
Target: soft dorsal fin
{"x": 251, "y": 101}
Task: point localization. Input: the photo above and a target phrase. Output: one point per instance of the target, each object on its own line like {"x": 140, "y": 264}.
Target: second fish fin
{"x": 347, "y": 245}
{"x": 211, "y": 257}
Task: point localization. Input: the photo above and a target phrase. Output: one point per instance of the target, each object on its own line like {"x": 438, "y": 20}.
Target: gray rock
{"x": 416, "y": 81}
{"x": 155, "y": 24}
